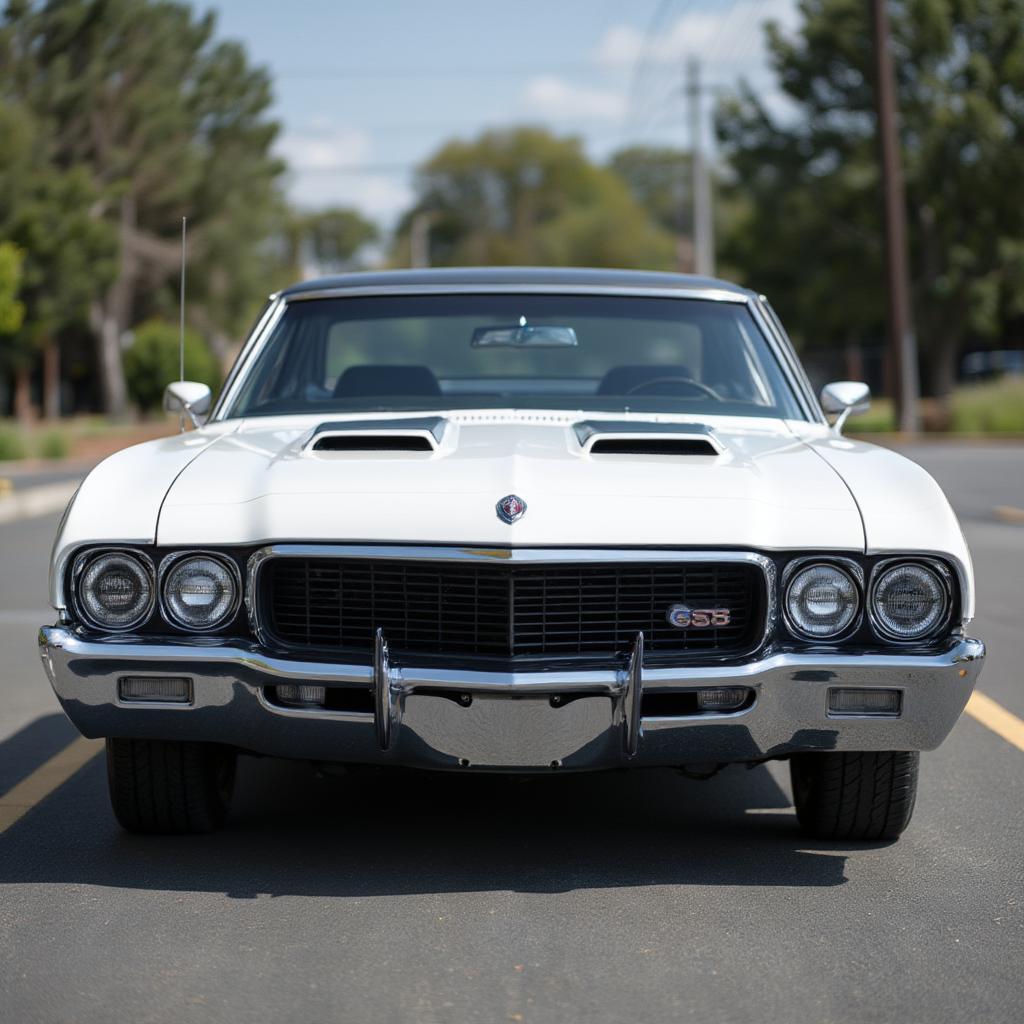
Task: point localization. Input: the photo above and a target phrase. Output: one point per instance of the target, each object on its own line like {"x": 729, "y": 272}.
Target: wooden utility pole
{"x": 902, "y": 342}
{"x": 703, "y": 221}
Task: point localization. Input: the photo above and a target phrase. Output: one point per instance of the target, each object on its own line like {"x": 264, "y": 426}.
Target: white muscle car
{"x": 514, "y": 521}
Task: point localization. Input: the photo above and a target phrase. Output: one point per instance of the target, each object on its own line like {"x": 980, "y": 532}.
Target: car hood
{"x": 263, "y": 482}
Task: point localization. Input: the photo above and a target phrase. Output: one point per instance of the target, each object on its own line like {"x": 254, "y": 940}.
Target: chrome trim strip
{"x": 440, "y": 553}
{"x": 260, "y": 332}
{"x": 710, "y": 294}
{"x": 763, "y": 310}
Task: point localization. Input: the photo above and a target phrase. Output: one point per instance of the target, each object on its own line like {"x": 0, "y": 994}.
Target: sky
{"x": 365, "y": 91}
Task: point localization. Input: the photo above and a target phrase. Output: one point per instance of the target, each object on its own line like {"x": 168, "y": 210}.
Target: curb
{"x": 36, "y": 501}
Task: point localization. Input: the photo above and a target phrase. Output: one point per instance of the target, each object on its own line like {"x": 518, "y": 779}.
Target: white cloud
{"x": 557, "y": 99}
{"x": 727, "y": 37}
{"x": 324, "y": 162}
{"x": 318, "y": 146}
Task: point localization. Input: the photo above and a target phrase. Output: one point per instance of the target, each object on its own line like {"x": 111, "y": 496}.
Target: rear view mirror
{"x": 189, "y": 398}
{"x": 845, "y": 398}
{"x": 523, "y": 336}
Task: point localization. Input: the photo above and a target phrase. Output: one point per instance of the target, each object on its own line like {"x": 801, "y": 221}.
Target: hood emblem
{"x": 510, "y": 508}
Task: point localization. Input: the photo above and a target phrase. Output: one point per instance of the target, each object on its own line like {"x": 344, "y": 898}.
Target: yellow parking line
{"x": 1009, "y": 514}
{"x": 45, "y": 779}
{"x": 995, "y": 717}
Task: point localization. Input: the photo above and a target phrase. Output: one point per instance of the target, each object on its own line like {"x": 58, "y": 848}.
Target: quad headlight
{"x": 822, "y": 600}
{"x": 909, "y": 601}
{"x": 199, "y": 592}
{"x": 115, "y": 590}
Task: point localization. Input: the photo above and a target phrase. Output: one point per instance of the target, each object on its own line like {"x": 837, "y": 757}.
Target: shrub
{"x": 12, "y": 445}
{"x": 54, "y": 444}
{"x": 152, "y": 363}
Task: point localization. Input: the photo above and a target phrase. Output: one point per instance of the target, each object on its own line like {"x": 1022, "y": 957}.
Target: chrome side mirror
{"x": 845, "y": 398}
{"x": 188, "y": 398}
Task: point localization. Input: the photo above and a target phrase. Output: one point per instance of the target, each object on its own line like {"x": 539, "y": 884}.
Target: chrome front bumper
{"x": 510, "y": 723}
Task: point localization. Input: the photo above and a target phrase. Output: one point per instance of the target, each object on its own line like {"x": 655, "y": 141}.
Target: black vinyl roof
{"x": 567, "y": 277}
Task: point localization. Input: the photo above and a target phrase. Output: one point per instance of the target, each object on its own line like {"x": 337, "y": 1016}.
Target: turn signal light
{"x": 302, "y": 695}
{"x": 849, "y": 701}
{"x": 155, "y": 689}
{"x": 727, "y": 698}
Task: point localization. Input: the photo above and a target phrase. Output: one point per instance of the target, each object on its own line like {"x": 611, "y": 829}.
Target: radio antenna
{"x": 181, "y": 326}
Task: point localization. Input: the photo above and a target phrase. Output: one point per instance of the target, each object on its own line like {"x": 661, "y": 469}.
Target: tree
{"x": 166, "y": 124}
{"x": 12, "y": 311}
{"x": 67, "y": 254}
{"x": 154, "y": 359}
{"x": 325, "y": 241}
{"x": 658, "y": 178}
{"x": 812, "y": 230}
{"x": 524, "y": 196}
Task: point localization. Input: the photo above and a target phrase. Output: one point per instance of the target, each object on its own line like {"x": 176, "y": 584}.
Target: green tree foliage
{"x": 12, "y": 311}
{"x": 153, "y": 360}
{"x": 327, "y": 240}
{"x": 659, "y": 180}
{"x": 162, "y": 122}
{"x": 524, "y": 196}
{"x": 810, "y": 228}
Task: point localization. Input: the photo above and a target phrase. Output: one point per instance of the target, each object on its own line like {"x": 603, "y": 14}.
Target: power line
{"x": 491, "y": 71}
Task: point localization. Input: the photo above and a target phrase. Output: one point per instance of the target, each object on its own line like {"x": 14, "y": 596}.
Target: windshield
{"x": 598, "y": 352}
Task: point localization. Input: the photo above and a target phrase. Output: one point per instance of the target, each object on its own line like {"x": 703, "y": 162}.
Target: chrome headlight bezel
{"x": 81, "y": 566}
{"x": 849, "y": 568}
{"x": 171, "y": 562}
{"x": 945, "y": 579}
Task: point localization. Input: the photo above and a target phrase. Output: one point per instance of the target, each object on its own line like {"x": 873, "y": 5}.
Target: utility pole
{"x": 419, "y": 239}
{"x": 703, "y": 221}
{"x": 902, "y": 342}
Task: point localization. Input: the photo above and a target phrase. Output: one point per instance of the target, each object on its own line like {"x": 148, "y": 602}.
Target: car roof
{"x": 515, "y": 277}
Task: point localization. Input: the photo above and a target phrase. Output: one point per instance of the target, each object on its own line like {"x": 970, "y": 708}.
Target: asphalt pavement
{"x": 639, "y": 896}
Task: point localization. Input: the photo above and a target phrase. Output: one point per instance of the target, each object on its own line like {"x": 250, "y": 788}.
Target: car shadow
{"x": 293, "y": 831}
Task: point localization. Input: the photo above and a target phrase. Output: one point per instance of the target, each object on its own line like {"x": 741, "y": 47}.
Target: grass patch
{"x": 54, "y": 444}
{"x": 12, "y": 445}
{"x": 996, "y": 407}
{"x": 880, "y": 418}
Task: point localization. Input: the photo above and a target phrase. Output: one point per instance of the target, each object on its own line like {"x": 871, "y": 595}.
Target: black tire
{"x": 170, "y": 788}
{"x": 855, "y": 796}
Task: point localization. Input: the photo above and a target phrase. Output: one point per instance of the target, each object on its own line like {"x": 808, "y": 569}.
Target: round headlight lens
{"x": 116, "y": 591}
{"x": 909, "y": 601}
{"x": 199, "y": 592}
{"x": 821, "y": 601}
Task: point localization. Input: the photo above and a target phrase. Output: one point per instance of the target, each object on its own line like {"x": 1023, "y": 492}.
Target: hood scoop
{"x": 422, "y": 434}
{"x": 622, "y": 437}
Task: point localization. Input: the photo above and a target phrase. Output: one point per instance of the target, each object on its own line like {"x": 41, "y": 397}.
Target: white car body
{"x": 778, "y": 485}
{"x": 774, "y": 492}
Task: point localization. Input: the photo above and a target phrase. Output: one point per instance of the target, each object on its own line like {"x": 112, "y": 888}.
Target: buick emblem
{"x": 510, "y": 508}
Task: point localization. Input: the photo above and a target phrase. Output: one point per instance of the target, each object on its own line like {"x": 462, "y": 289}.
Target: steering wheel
{"x": 689, "y": 382}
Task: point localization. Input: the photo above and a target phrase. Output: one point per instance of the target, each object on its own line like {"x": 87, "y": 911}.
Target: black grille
{"x": 514, "y": 610}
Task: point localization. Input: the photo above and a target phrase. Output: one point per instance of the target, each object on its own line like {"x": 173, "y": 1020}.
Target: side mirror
{"x": 844, "y": 398}
{"x": 189, "y": 398}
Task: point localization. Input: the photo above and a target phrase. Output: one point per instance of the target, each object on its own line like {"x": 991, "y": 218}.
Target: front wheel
{"x": 169, "y": 787}
{"x": 855, "y": 795}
